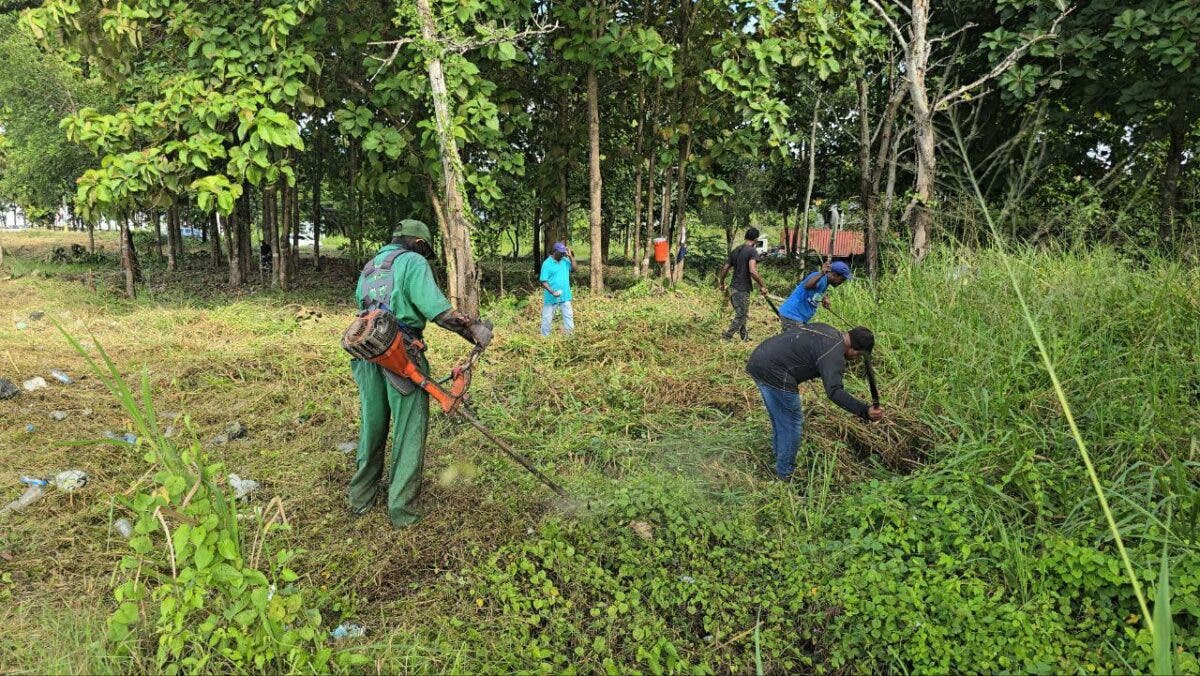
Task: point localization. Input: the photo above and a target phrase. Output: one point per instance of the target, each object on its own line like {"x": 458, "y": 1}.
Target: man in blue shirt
{"x": 556, "y": 282}
{"x": 800, "y": 307}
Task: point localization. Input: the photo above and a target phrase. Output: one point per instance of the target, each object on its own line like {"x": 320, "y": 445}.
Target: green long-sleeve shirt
{"x": 415, "y": 298}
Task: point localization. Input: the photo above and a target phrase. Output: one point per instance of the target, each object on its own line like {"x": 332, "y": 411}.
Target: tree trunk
{"x": 175, "y": 239}
{"x": 789, "y": 236}
{"x": 316, "y": 204}
{"x": 564, "y": 204}
{"x": 1170, "y": 182}
{"x": 270, "y": 234}
{"x": 91, "y": 226}
{"x": 812, "y": 172}
{"x": 664, "y": 218}
{"x": 919, "y": 216}
{"x": 239, "y": 240}
{"x": 294, "y": 193}
{"x": 647, "y": 252}
{"x": 235, "y": 272}
{"x": 214, "y": 242}
{"x": 889, "y": 195}
{"x": 158, "y": 235}
{"x": 636, "y": 235}
{"x": 458, "y": 225}
{"x": 453, "y": 291}
{"x": 537, "y": 240}
{"x": 865, "y": 193}
{"x": 127, "y": 260}
{"x": 596, "y": 265}
{"x": 685, "y": 147}
{"x": 283, "y": 260}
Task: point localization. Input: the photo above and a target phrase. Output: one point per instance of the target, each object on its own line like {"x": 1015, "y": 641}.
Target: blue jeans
{"x": 787, "y": 424}
{"x": 568, "y": 316}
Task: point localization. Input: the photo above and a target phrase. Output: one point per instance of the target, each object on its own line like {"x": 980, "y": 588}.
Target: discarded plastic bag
{"x": 347, "y": 630}
{"x": 128, "y": 437}
{"x": 242, "y": 487}
{"x": 123, "y": 527}
{"x": 35, "y": 383}
{"x": 70, "y": 481}
{"x": 61, "y": 377}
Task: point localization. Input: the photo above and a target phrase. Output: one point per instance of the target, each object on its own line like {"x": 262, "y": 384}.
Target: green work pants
{"x": 409, "y": 416}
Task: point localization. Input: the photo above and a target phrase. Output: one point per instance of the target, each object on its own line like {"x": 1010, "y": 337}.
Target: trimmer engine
{"x": 376, "y": 336}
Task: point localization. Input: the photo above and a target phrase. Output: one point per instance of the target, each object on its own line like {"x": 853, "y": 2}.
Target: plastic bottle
{"x": 36, "y": 489}
{"x": 61, "y": 377}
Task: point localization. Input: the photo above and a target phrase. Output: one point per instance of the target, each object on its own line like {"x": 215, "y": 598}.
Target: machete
{"x": 772, "y": 304}
{"x": 871, "y": 379}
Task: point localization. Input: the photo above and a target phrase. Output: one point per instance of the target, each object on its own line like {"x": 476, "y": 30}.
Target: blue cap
{"x": 841, "y": 268}
{"x": 559, "y": 247}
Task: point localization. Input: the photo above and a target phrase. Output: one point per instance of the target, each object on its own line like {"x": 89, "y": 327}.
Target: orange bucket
{"x": 660, "y": 250}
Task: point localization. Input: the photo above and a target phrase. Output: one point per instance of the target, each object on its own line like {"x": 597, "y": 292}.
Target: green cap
{"x": 412, "y": 228}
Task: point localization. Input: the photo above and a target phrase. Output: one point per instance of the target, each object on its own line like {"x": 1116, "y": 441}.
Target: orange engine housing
{"x": 375, "y": 336}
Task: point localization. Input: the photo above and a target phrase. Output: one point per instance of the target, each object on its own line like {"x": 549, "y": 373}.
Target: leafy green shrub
{"x": 651, "y": 582}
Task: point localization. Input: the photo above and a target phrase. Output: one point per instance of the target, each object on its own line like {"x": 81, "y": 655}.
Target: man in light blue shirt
{"x": 556, "y": 282}
{"x": 800, "y": 307}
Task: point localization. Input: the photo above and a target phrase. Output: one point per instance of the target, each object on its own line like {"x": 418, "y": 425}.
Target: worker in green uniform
{"x": 398, "y": 279}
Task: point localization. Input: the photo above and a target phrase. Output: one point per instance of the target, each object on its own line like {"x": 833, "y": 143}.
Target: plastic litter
{"x": 35, "y": 383}
{"x": 21, "y": 326}
{"x": 348, "y": 446}
{"x": 242, "y": 487}
{"x": 58, "y": 415}
{"x": 30, "y": 428}
{"x": 128, "y": 437}
{"x": 234, "y": 430}
{"x": 7, "y": 389}
{"x": 70, "y": 481}
{"x": 347, "y": 630}
{"x": 32, "y": 494}
{"x": 61, "y": 376}
{"x": 123, "y": 527}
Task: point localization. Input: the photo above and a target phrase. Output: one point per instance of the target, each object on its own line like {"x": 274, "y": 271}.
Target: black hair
{"x": 862, "y": 339}
{"x": 752, "y": 234}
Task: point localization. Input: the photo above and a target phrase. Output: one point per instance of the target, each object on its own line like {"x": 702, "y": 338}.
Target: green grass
{"x": 992, "y": 555}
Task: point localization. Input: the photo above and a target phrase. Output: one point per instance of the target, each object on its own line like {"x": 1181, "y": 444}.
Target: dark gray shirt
{"x": 739, "y": 259}
{"x": 801, "y": 354}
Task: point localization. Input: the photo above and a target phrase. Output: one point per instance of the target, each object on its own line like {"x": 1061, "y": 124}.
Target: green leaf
{"x": 227, "y": 549}
{"x": 204, "y": 556}
{"x": 1163, "y": 622}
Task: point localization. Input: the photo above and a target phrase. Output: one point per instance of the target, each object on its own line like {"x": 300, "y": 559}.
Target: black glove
{"x": 481, "y": 333}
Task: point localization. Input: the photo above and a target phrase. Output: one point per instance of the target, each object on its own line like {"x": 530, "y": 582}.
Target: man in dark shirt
{"x": 780, "y": 363}
{"x": 744, "y": 261}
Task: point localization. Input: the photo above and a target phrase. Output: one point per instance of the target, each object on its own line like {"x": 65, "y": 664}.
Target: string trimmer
{"x": 377, "y": 337}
